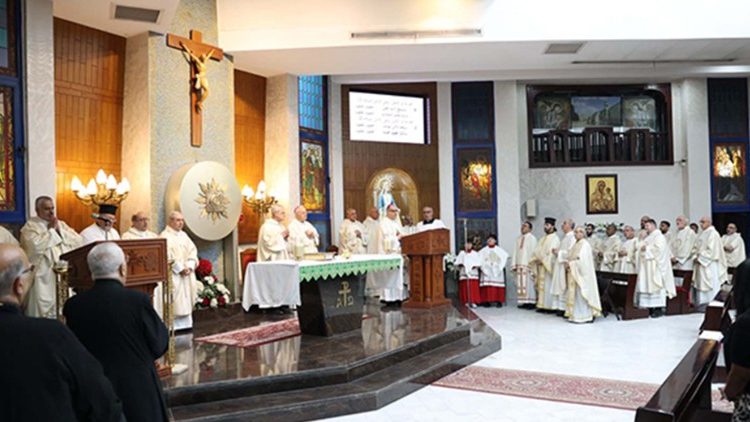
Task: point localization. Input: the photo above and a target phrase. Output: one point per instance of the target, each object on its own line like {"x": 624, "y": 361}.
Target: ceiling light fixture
{"x": 655, "y": 62}
{"x": 437, "y": 33}
{"x": 563, "y": 48}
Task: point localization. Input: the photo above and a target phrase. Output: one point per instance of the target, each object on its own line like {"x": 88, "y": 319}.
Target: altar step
{"x": 365, "y": 386}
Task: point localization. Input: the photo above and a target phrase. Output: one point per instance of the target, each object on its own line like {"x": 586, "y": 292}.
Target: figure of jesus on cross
{"x": 201, "y": 81}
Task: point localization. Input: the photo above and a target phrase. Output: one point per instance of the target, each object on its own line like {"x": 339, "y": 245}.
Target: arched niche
{"x": 402, "y": 188}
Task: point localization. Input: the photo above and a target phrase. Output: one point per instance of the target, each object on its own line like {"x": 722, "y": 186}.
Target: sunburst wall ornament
{"x": 213, "y": 200}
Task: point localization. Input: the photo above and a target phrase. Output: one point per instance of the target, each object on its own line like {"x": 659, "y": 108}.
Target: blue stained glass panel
{"x": 311, "y": 102}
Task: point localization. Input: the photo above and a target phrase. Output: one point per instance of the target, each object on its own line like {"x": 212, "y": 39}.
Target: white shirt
{"x": 94, "y": 233}
{"x": 435, "y": 224}
{"x": 134, "y": 233}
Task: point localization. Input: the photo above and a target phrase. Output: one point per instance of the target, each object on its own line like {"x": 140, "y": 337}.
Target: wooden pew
{"x": 681, "y": 303}
{"x": 717, "y": 317}
{"x": 621, "y": 292}
{"x": 686, "y": 393}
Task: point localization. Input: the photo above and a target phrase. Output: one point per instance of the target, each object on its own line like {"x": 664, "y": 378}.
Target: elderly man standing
{"x": 389, "y": 242}
{"x": 272, "y": 238}
{"x": 683, "y": 245}
{"x": 102, "y": 228}
{"x": 429, "y": 222}
{"x": 121, "y": 329}
{"x": 184, "y": 254}
{"x": 610, "y": 250}
{"x": 519, "y": 265}
{"x": 302, "y": 235}
{"x": 559, "y": 277}
{"x": 139, "y": 228}
{"x": 372, "y": 223}
{"x": 45, "y": 238}
{"x": 710, "y": 264}
{"x": 48, "y": 375}
{"x": 655, "y": 280}
{"x": 734, "y": 246}
{"x": 352, "y": 234}
{"x": 583, "y": 303}
{"x": 627, "y": 256}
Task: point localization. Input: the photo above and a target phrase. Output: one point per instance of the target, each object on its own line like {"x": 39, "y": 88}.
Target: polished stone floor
{"x": 641, "y": 350}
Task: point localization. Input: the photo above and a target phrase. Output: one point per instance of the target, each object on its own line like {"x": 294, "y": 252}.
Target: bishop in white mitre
{"x": 103, "y": 227}
{"x": 182, "y": 251}
{"x": 352, "y": 234}
{"x": 139, "y": 230}
{"x": 559, "y": 277}
{"x": 492, "y": 278}
{"x": 7, "y": 237}
{"x": 519, "y": 265}
{"x": 610, "y": 250}
{"x": 734, "y": 246}
{"x": 543, "y": 263}
{"x": 682, "y": 245}
{"x": 627, "y": 256}
{"x": 44, "y": 238}
{"x": 302, "y": 235}
{"x": 272, "y": 237}
{"x": 655, "y": 280}
{"x": 389, "y": 284}
{"x": 582, "y": 295}
{"x": 710, "y": 264}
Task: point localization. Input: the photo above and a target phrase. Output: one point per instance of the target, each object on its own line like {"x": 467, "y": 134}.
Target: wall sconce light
{"x": 100, "y": 190}
{"x": 258, "y": 200}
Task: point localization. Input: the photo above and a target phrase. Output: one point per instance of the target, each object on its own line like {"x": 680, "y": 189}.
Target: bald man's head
{"x": 16, "y": 274}
{"x": 176, "y": 220}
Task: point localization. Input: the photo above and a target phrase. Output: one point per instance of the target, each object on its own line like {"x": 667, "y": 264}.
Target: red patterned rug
{"x": 257, "y": 335}
{"x": 554, "y": 387}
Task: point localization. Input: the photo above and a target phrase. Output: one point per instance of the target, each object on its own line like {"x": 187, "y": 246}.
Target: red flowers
{"x": 204, "y": 268}
{"x": 206, "y": 301}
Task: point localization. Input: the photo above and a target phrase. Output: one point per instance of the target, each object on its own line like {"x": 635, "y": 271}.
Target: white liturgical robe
{"x": 134, "y": 233}
{"x": 682, "y": 246}
{"x": 610, "y": 249}
{"x": 543, "y": 265}
{"x": 582, "y": 297}
{"x": 433, "y": 225}
{"x": 371, "y": 234}
{"x": 387, "y": 237}
{"x": 298, "y": 237}
{"x": 352, "y": 237}
{"x": 44, "y": 247}
{"x": 7, "y": 237}
{"x": 519, "y": 264}
{"x": 734, "y": 243}
{"x": 559, "y": 280}
{"x": 655, "y": 281}
{"x": 596, "y": 243}
{"x": 271, "y": 243}
{"x": 390, "y": 288}
{"x": 628, "y": 263}
{"x": 710, "y": 266}
{"x": 468, "y": 264}
{"x": 493, "y": 263}
{"x": 94, "y": 233}
{"x": 182, "y": 250}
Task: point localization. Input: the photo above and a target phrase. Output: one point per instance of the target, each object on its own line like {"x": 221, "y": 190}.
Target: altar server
{"x": 272, "y": 238}
{"x": 468, "y": 262}
{"x": 102, "y": 229}
{"x": 183, "y": 252}
{"x": 543, "y": 263}
{"x": 734, "y": 246}
{"x": 139, "y": 228}
{"x": 492, "y": 277}
{"x": 302, "y": 235}
{"x": 583, "y": 303}
{"x": 559, "y": 280}
{"x": 627, "y": 256}
{"x": 519, "y": 265}
{"x": 710, "y": 264}
{"x": 352, "y": 234}
{"x": 610, "y": 250}
{"x": 655, "y": 281}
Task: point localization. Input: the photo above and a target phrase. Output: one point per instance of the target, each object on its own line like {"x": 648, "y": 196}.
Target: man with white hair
{"x": 610, "y": 249}
{"x": 710, "y": 264}
{"x": 121, "y": 329}
{"x": 734, "y": 246}
{"x": 139, "y": 228}
{"x": 45, "y": 238}
{"x": 683, "y": 245}
{"x": 627, "y": 256}
{"x": 352, "y": 234}
{"x": 559, "y": 280}
{"x": 372, "y": 223}
{"x": 655, "y": 281}
{"x": 303, "y": 237}
{"x": 272, "y": 238}
{"x": 183, "y": 252}
{"x": 48, "y": 375}
{"x": 429, "y": 222}
{"x": 103, "y": 226}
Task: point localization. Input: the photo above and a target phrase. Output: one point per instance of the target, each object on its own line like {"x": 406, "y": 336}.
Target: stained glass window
{"x": 7, "y": 38}
{"x": 7, "y": 146}
{"x": 312, "y": 113}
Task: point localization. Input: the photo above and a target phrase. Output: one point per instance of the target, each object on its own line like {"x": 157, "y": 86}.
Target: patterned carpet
{"x": 554, "y": 387}
{"x": 257, "y": 335}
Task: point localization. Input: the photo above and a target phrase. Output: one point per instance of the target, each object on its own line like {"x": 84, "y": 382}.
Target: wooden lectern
{"x": 426, "y": 250}
{"x": 147, "y": 265}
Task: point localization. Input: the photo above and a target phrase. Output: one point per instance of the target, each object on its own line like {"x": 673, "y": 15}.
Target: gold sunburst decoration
{"x": 213, "y": 200}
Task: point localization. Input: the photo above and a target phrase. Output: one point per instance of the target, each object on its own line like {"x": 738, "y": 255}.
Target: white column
{"x": 507, "y": 138}
{"x": 698, "y": 169}
{"x": 281, "y": 169}
{"x": 335, "y": 161}
{"x": 445, "y": 158}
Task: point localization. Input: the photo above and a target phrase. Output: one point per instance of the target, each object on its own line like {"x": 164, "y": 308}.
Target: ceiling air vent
{"x": 564, "y": 48}
{"x": 136, "y": 14}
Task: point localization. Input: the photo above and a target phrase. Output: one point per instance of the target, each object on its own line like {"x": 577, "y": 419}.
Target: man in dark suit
{"x": 121, "y": 329}
{"x": 46, "y": 375}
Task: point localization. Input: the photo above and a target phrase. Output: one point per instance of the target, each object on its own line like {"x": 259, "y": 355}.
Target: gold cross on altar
{"x": 198, "y": 54}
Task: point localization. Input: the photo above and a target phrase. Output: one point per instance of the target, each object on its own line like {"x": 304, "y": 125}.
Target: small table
{"x": 331, "y": 293}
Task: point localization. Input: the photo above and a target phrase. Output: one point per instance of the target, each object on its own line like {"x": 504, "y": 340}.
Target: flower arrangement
{"x": 211, "y": 293}
{"x": 449, "y": 261}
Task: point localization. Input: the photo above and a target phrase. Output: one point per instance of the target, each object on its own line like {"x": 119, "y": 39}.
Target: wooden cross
{"x": 197, "y": 91}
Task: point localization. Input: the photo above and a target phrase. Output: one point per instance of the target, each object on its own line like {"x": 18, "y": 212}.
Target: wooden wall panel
{"x": 249, "y": 142}
{"x": 89, "y": 76}
{"x": 363, "y": 159}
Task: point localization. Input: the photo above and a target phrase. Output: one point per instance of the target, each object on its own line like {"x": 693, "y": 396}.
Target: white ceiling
{"x": 271, "y": 37}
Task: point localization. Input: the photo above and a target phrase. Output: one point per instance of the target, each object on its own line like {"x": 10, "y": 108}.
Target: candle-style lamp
{"x": 100, "y": 190}
{"x": 259, "y": 200}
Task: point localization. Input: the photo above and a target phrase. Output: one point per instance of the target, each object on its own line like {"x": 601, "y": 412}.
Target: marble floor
{"x": 641, "y": 350}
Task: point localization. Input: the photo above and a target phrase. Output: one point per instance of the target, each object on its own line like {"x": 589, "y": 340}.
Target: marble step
{"x": 367, "y": 393}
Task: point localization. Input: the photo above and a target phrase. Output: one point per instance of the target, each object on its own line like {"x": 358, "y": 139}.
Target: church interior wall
{"x": 282, "y": 140}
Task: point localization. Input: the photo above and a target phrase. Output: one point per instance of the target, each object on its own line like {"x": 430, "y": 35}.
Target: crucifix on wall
{"x": 198, "y": 54}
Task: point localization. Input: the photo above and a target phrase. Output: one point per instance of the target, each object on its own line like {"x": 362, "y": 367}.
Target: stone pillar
{"x": 445, "y": 156}
{"x": 281, "y": 171}
{"x": 697, "y": 180}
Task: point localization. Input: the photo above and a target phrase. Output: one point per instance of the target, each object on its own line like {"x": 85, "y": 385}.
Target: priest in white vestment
{"x": 272, "y": 237}
{"x": 182, "y": 251}
{"x": 468, "y": 264}
{"x": 683, "y": 245}
{"x": 734, "y": 246}
{"x": 372, "y": 225}
{"x": 303, "y": 236}
{"x": 492, "y": 277}
{"x": 627, "y": 256}
{"x": 390, "y": 288}
{"x": 7, "y": 237}
{"x": 665, "y": 227}
{"x": 582, "y": 296}
{"x": 139, "y": 230}
{"x": 596, "y": 243}
{"x": 710, "y": 264}
{"x": 44, "y": 238}
{"x": 519, "y": 265}
{"x": 543, "y": 263}
{"x": 610, "y": 250}
{"x": 655, "y": 281}
{"x": 429, "y": 221}
{"x": 102, "y": 229}
{"x": 352, "y": 234}
{"x": 559, "y": 278}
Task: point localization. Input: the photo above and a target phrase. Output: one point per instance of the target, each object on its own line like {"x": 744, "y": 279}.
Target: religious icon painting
{"x": 552, "y": 112}
{"x": 312, "y": 171}
{"x": 639, "y": 112}
{"x": 475, "y": 179}
{"x": 596, "y": 111}
{"x": 729, "y": 175}
{"x": 601, "y": 194}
